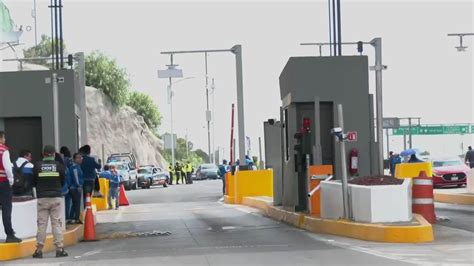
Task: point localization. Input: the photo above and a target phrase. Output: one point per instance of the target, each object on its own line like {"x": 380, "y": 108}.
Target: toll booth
{"x": 311, "y": 88}
{"x": 26, "y": 110}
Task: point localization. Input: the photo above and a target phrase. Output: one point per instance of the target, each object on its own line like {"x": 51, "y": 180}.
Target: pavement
{"x": 189, "y": 225}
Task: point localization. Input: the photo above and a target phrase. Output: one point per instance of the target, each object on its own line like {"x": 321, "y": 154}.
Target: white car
{"x": 128, "y": 177}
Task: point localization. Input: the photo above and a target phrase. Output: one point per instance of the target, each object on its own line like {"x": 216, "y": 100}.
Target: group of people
{"x": 395, "y": 159}
{"x": 57, "y": 178}
{"x": 182, "y": 171}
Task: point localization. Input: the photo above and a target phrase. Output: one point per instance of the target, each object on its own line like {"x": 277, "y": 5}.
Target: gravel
{"x": 376, "y": 181}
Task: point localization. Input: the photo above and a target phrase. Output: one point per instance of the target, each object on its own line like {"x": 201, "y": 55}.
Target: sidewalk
{"x": 72, "y": 236}
{"x": 454, "y": 196}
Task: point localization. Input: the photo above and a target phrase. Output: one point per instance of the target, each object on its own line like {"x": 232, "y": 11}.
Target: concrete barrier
{"x": 417, "y": 231}
{"x": 247, "y": 184}
{"x": 102, "y": 203}
{"x": 470, "y": 182}
{"x": 24, "y": 219}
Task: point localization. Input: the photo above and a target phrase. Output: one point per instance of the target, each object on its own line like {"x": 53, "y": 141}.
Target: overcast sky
{"x": 426, "y": 76}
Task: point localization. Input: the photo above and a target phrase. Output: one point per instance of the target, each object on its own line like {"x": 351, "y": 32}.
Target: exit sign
{"x": 352, "y": 136}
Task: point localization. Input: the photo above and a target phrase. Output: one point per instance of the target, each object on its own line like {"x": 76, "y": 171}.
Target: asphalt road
{"x": 203, "y": 232}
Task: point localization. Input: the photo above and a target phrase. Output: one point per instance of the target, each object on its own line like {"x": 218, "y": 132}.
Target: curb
{"x": 27, "y": 247}
{"x": 421, "y": 233}
{"x": 464, "y": 199}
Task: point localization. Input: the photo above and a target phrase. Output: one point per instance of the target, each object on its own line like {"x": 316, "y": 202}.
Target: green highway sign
{"x": 434, "y": 130}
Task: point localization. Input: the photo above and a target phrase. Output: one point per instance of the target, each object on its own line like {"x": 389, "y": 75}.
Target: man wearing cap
{"x": 6, "y": 182}
{"x": 49, "y": 177}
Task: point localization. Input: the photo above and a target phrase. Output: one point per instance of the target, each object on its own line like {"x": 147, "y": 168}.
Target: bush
{"x": 104, "y": 74}
{"x": 145, "y": 107}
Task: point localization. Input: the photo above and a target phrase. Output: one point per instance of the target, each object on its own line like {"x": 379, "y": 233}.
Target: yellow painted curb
{"x": 423, "y": 232}
{"x": 464, "y": 199}
{"x": 261, "y": 203}
{"x": 28, "y": 247}
{"x": 229, "y": 200}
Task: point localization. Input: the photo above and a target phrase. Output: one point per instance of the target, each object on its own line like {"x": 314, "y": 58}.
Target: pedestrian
{"x": 66, "y": 156}
{"x": 89, "y": 168}
{"x": 171, "y": 172}
{"x": 49, "y": 177}
{"x": 189, "y": 172}
{"x": 23, "y": 169}
{"x": 390, "y": 165}
{"x": 75, "y": 189}
{"x": 177, "y": 170}
{"x": 414, "y": 159}
{"x": 396, "y": 160}
{"x": 183, "y": 173}
{"x": 6, "y": 196}
{"x": 469, "y": 159}
{"x": 114, "y": 188}
{"x": 65, "y": 189}
{"x": 221, "y": 172}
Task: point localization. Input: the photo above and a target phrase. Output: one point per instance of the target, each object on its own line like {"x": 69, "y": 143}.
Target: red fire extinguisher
{"x": 354, "y": 161}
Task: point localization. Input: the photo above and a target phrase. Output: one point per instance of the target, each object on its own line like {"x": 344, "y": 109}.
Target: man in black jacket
{"x": 49, "y": 177}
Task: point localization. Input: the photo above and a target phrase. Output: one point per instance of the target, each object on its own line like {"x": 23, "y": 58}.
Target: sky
{"x": 426, "y": 76}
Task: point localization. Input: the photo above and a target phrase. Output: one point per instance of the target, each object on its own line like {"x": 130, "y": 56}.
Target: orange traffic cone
{"x": 89, "y": 226}
{"x": 423, "y": 202}
{"x": 123, "y": 201}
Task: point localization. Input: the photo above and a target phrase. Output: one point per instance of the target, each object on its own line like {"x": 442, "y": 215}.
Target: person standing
{"x": 24, "y": 167}
{"x": 49, "y": 177}
{"x": 189, "y": 171}
{"x": 114, "y": 187}
{"x": 89, "y": 168}
{"x": 177, "y": 170}
{"x": 171, "y": 172}
{"x": 6, "y": 181}
{"x": 66, "y": 156}
{"x": 469, "y": 159}
{"x": 221, "y": 172}
{"x": 75, "y": 190}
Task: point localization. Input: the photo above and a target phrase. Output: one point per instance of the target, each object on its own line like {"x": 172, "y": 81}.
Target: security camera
{"x": 339, "y": 134}
{"x": 271, "y": 121}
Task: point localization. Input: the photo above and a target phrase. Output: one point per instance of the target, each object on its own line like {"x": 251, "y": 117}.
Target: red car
{"x": 449, "y": 172}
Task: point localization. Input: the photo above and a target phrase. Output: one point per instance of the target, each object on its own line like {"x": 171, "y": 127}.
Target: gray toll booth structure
{"x": 27, "y": 112}
{"x": 312, "y": 87}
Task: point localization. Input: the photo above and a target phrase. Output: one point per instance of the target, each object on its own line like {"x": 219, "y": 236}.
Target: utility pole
{"x": 213, "y": 123}
{"x": 208, "y": 113}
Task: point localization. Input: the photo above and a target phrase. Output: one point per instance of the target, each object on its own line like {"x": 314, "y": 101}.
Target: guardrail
{"x": 310, "y": 194}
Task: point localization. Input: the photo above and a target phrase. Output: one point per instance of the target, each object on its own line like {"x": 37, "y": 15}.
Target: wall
{"x": 29, "y": 94}
{"x": 273, "y": 158}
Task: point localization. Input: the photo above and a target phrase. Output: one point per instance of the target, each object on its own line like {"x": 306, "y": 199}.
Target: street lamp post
{"x": 170, "y": 73}
{"x": 237, "y": 51}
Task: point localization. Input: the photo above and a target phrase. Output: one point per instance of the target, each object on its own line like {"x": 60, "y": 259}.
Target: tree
{"x": 104, "y": 74}
{"x": 203, "y": 155}
{"x": 181, "y": 154}
{"x": 43, "y": 49}
{"x": 145, "y": 107}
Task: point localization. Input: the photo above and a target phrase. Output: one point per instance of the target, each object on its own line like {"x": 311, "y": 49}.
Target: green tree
{"x": 43, "y": 49}
{"x": 203, "y": 155}
{"x": 103, "y": 73}
{"x": 145, "y": 107}
{"x": 182, "y": 155}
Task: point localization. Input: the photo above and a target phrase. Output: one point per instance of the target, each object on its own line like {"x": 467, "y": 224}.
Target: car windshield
{"x": 145, "y": 171}
{"x": 208, "y": 166}
{"x": 447, "y": 163}
{"x": 121, "y": 167}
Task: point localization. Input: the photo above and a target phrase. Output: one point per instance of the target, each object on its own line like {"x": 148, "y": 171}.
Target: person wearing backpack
{"x": 23, "y": 174}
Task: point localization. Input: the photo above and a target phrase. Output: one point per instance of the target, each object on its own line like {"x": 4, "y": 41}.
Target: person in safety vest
{"x": 171, "y": 171}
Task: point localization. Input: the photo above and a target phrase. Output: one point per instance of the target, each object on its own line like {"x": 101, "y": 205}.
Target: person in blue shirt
{"x": 89, "y": 168}
{"x": 114, "y": 187}
{"x": 76, "y": 182}
{"x": 222, "y": 170}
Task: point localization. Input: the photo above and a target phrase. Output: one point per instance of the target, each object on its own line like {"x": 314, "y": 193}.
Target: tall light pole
{"x": 208, "y": 113}
{"x": 213, "y": 87}
{"x": 170, "y": 73}
{"x": 237, "y": 51}
{"x": 378, "y": 67}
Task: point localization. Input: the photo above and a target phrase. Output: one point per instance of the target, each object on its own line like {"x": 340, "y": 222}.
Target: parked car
{"x": 449, "y": 171}
{"x": 206, "y": 171}
{"x": 127, "y": 157}
{"x": 128, "y": 177}
{"x": 149, "y": 175}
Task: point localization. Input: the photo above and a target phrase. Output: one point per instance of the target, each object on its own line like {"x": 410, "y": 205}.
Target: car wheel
{"x": 134, "y": 185}
{"x": 149, "y": 184}
{"x": 165, "y": 184}
{"x": 127, "y": 186}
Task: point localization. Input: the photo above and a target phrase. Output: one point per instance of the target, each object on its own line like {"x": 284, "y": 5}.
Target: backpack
{"x": 19, "y": 180}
